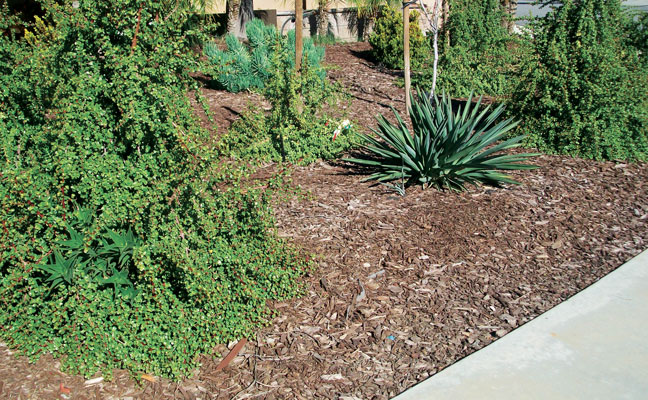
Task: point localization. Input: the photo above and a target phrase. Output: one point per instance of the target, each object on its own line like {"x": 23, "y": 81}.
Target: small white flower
{"x": 345, "y": 125}
{"x": 75, "y": 4}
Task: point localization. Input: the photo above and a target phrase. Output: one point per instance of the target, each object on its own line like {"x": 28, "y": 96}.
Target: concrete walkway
{"x": 592, "y": 346}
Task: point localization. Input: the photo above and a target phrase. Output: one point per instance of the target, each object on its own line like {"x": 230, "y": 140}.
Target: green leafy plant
{"x": 636, "y": 28}
{"x": 107, "y": 259}
{"x": 445, "y": 148}
{"x": 180, "y": 252}
{"x": 41, "y": 32}
{"x": 299, "y": 127}
{"x": 581, "y": 93}
{"x": 243, "y": 67}
{"x": 480, "y": 55}
{"x": 387, "y": 40}
{"x": 369, "y": 10}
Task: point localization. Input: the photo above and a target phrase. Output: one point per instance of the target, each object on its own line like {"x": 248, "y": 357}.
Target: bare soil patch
{"x": 405, "y": 286}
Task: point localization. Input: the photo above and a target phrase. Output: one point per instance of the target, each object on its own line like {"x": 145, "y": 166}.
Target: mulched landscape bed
{"x": 405, "y": 286}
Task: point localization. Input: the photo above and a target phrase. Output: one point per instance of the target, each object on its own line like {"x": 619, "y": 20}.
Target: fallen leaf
{"x": 94, "y": 381}
{"x": 64, "y": 389}
{"x": 332, "y": 377}
{"x": 149, "y": 378}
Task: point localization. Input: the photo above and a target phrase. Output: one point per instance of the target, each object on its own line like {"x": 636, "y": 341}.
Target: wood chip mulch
{"x": 406, "y": 286}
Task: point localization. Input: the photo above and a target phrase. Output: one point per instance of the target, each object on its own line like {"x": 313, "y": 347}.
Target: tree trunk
{"x": 506, "y": 17}
{"x": 233, "y": 11}
{"x": 369, "y": 21}
{"x": 322, "y": 18}
{"x": 406, "y": 56}
{"x": 246, "y": 14}
{"x": 512, "y": 10}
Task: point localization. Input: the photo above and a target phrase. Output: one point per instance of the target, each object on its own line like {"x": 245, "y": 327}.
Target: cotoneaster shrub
{"x": 584, "y": 93}
{"x": 124, "y": 244}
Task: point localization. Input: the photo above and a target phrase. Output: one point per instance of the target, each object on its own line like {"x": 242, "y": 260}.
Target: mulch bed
{"x": 408, "y": 285}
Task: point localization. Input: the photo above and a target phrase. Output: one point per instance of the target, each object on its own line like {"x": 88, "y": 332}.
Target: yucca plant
{"x": 445, "y": 149}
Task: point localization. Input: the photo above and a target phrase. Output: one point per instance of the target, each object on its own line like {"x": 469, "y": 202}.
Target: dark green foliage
{"x": 10, "y": 20}
{"x": 178, "y": 254}
{"x": 481, "y": 56}
{"x": 445, "y": 148}
{"x": 297, "y": 128}
{"x": 243, "y": 67}
{"x": 585, "y": 91}
{"x": 636, "y": 28}
{"x": 387, "y": 40}
{"x": 106, "y": 258}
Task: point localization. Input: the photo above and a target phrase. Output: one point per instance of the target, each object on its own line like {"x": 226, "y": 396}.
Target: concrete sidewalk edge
{"x": 593, "y": 345}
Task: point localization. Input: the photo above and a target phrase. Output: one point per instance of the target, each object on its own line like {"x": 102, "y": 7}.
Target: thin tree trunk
{"x": 369, "y": 21}
{"x": 506, "y": 18}
{"x": 246, "y": 14}
{"x": 406, "y": 56}
{"x": 299, "y": 17}
{"x": 433, "y": 21}
{"x": 435, "y": 64}
{"x": 137, "y": 28}
{"x": 513, "y": 13}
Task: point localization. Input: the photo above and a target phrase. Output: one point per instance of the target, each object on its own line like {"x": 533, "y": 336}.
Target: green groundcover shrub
{"x": 243, "y": 67}
{"x": 584, "y": 93}
{"x": 123, "y": 243}
{"x": 299, "y": 128}
{"x": 387, "y": 40}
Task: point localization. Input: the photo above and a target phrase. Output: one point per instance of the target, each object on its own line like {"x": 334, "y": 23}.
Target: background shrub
{"x": 299, "y": 127}
{"x": 123, "y": 243}
{"x": 481, "y": 56}
{"x": 636, "y": 28}
{"x": 584, "y": 91}
{"x": 387, "y": 40}
{"x": 249, "y": 66}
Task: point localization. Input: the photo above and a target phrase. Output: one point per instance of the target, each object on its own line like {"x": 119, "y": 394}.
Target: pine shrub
{"x": 299, "y": 128}
{"x": 243, "y": 67}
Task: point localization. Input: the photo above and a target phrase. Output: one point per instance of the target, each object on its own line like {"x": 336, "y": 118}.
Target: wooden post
{"x": 406, "y": 55}
{"x": 299, "y": 16}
